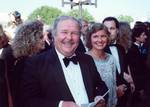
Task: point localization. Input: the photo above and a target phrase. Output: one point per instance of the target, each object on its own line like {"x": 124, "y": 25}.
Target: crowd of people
{"x": 74, "y": 63}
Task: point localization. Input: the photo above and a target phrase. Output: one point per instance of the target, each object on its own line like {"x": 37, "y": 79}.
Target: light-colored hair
{"x": 125, "y": 34}
{"x": 60, "y": 19}
{"x": 26, "y": 38}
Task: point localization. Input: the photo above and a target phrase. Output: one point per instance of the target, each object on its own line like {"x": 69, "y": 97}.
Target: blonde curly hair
{"x": 27, "y": 38}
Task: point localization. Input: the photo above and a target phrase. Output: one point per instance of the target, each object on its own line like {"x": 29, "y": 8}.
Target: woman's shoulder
{"x": 110, "y": 57}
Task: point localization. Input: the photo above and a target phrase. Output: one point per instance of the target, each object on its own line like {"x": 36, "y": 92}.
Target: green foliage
{"x": 125, "y": 18}
{"x": 85, "y": 14}
{"x": 46, "y": 13}
{"x": 49, "y": 14}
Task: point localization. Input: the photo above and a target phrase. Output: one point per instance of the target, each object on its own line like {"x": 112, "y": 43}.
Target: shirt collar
{"x": 115, "y": 42}
{"x": 138, "y": 44}
{"x": 61, "y": 56}
{"x": 1, "y": 50}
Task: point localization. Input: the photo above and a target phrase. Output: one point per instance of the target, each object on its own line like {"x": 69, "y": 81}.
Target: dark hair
{"x": 49, "y": 34}
{"x": 112, "y": 19}
{"x": 138, "y": 23}
{"x": 93, "y": 29}
{"x": 137, "y": 31}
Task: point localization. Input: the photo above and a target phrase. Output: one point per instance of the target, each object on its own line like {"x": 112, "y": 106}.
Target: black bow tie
{"x": 112, "y": 45}
{"x": 67, "y": 60}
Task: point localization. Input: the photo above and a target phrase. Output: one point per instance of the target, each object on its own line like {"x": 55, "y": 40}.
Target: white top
{"x": 74, "y": 81}
{"x": 107, "y": 70}
{"x": 1, "y": 50}
{"x": 114, "y": 52}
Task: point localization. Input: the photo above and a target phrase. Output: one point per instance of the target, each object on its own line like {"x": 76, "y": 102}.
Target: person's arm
{"x": 129, "y": 79}
{"x": 31, "y": 93}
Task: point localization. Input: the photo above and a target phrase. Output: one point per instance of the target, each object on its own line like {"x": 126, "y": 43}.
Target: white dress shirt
{"x": 1, "y": 50}
{"x": 74, "y": 81}
{"x": 114, "y": 52}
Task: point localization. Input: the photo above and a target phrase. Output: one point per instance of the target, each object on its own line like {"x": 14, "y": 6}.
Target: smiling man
{"x": 60, "y": 77}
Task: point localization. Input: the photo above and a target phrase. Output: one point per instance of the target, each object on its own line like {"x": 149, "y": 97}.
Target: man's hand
{"x": 69, "y": 104}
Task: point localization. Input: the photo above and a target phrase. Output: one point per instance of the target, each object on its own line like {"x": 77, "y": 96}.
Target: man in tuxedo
{"x": 60, "y": 77}
{"x": 119, "y": 54}
{"x": 137, "y": 56}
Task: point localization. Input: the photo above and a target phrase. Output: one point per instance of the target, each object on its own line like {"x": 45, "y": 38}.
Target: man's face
{"x": 141, "y": 38}
{"x": 84, "y": 27}
{"x": 67, "y": 37}
{"x": 111, "y": 25}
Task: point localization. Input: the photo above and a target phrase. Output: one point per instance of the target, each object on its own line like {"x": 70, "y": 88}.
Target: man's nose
{"x": 69, "y": 35}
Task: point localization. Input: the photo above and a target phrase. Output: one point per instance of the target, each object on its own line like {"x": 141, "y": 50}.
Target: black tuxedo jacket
{"x": 3, "y": 86}
{"x": 43, "y": 83}
{"x": 7, "y": 55}
{"x": 122, "y": 101}
{"x": 122, "y": 61}
{"x": 137, "y": 65}
{"x": 81, "y": 47}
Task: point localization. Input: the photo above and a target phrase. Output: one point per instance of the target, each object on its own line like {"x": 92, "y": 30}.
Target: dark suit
{"x": 3, "y": 86}
{"x": 81, "y": 47}
{"x": 137, "y": 63}
{"x": 122, "y": 101}
{"x": 7, "y": 55}
{"x": 43, "y": 83}
{"x": 122, "y": 61}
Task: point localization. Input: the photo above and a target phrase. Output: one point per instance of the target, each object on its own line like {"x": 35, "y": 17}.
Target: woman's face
{"x": 99, "y": 40}
{"x": 40, "y": 43}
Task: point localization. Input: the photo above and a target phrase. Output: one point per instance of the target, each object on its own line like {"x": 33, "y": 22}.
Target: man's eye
{"x": 75, "y": 33}
{"x": 64, "y": 32}
{"x": 112, "y": 28}
{"x": 104, "y": 36}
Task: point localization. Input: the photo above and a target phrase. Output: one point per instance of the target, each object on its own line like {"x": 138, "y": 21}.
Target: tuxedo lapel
{"x": 59, "y": 76}
{"x": 121, "y": 56}
{"x": 119, "y": 52}
{"x": 107, "y": 49}
{"x": 86, "y": 76}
